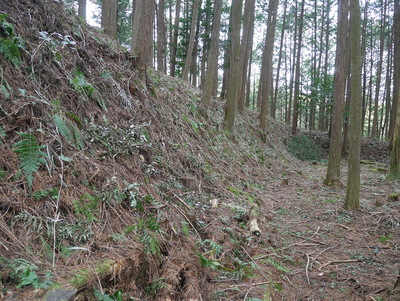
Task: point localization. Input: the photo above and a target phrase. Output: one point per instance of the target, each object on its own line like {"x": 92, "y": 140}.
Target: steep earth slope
{"x": 113, "y": 185}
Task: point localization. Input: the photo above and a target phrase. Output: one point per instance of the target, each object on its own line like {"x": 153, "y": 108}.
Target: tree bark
{"x": 266, "y": 67}
{"x": 211, "y": 74}
{"x": 109, "y": 11}
{"x": 394, "y": 172}
{"x": 297, "y": 75}
{"x": 142, "y": 32}
{"x": 82, "y": 9}
{"x": 174, "y": 42}
{"x": 245, "y": 50}
{"x": 353, "y": 181}
{"x": 333, "y": 171}
{"x": 161, "y": 31}
{"x": 233, "y": 77}
{"x": 192, "y": 36}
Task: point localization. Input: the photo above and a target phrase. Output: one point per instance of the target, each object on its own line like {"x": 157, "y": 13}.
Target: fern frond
{"x": 63, "y": 129}
{"x": 30, "y": 155}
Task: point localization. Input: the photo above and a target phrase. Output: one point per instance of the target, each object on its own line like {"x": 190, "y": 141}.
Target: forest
{"x": 199, "y": 150}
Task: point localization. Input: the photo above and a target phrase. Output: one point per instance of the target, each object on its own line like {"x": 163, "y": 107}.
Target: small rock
{"x": 60, "y": 294}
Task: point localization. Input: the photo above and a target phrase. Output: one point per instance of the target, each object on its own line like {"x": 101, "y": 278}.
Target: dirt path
{"x": 326, "y": 252}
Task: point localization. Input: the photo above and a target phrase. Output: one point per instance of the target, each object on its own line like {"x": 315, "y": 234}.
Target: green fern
{"x": 69, "y": 131}
{"x": 30, "y": 155}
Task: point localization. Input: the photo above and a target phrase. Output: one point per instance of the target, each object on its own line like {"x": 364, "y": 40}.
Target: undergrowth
{"x": 304, "y": 149}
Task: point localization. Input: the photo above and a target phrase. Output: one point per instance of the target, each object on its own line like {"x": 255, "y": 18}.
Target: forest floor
{"x": 137, "y": 196}
{"x": 328, "y": 253}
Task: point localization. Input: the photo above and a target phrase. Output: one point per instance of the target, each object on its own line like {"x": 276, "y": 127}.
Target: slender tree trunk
{"x": 333, "y": 171}
{"x": 322, "y": 118}
{"x": 245, "y": 49}
{"x": 394, "y": 172}
{"x": 297, "y": 76}
{"x": 275, "y": 97}
{"x": 233, "y": 77}
{"x": 161, "y": 31}
{"x": 353, "y": 181}
{"x": 174, "y": 43}
{"x": 375, "y": 131}
{"x": 267, "y": 67}
{"x": 109, "y": 11}
{"x": 211, "y": 74}
{"x": 82, "y": 9}
{"x": 206, "y": 42}
{"x": 192, "y": 37}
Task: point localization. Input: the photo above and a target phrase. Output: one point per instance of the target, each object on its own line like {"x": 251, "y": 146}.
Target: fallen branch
{"x": 338, "y": 261}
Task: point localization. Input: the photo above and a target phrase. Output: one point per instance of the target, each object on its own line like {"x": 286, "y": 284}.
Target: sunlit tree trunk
{"x": 333, "y": 171}
{"x": 353, "y": 181}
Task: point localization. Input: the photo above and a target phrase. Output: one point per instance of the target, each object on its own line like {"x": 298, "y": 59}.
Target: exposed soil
{"x": 154, "y": 202}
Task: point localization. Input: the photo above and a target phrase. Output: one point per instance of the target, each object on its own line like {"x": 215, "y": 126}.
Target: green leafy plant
{"x": 81, "y": 85}
{"x": 117, "y": 296}
{"x": 41, "y": 194}
{"x": 304, "y": 149}
{"x": 69, "y": 131}
{"x": 30, "y": 155}
{"x": 10, "y": 44}
{"x": 24, "y": 272}
{"x": 155, "y": 286}
{"x": 386, "y": 238}
{"x": 87, "y": 206}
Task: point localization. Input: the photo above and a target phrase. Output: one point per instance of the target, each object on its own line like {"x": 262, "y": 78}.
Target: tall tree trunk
{"x": 375, "y": 131}
{"x": 206, "y": 41}
{"x": 322, "y": 118}
{"x": 266, "y": 67}
{"x": 353, "y": 181}
{"x": 297, "y": 75}
{"x": 394, "y": 172}
{"x": 161, "y": 31}
{"x": 142, "y": 32}
{"x": 211, "y": 74}
{"x": 192, "y": 36}
{"x": 109, "y": 11}
{"x": 82, "y": 9}
{"x": 275, "y": 98}
{"x": 174, "y": 43}
{"x": 339, "y": 87}
{"x": 233, "y": 77}
{"x": 245, "y": 49}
